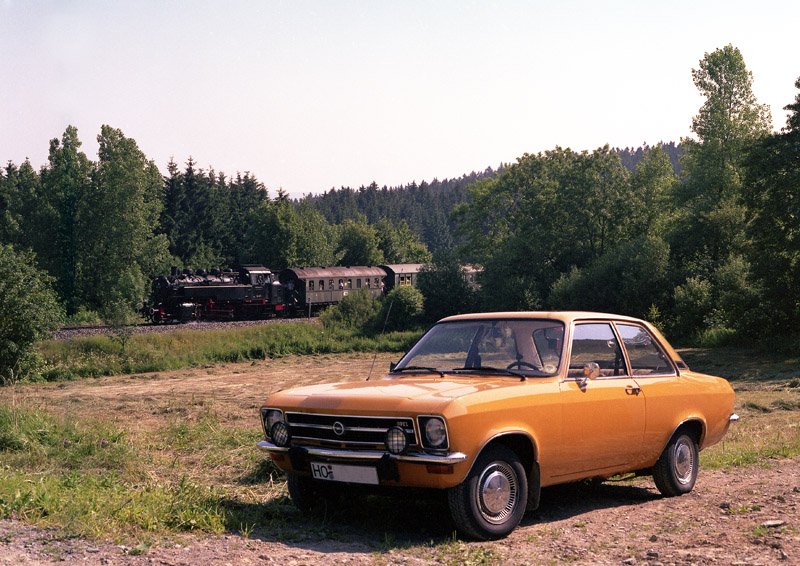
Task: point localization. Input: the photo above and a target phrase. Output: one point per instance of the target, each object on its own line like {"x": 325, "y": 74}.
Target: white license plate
{"x": 344, "y": 473}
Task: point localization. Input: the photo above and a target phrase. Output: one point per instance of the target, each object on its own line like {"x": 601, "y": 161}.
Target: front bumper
{"x": 365, "y": 456}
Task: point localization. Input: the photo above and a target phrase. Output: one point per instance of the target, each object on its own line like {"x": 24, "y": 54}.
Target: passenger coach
{"x": 313, "y": 287}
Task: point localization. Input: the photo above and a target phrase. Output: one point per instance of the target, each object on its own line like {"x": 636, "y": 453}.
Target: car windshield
{"x": 527, "y": 346}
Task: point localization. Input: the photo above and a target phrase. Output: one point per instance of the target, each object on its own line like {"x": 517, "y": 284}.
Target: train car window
{"x": 330, "y": 284}
{"x": 349, "y": 283}
{"x": 367, "y": 282}
{"x": 358, "y": 283}
{"x": 341, "y": 283}
{"x": 310, "y": 285}
{"x": 321, "y": 285}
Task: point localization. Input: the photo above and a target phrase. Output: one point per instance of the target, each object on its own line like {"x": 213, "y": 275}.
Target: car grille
{"x": 346, "y": 430}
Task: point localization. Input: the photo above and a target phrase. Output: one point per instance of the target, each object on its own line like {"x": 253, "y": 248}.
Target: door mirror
{"x": 590, "y": 371}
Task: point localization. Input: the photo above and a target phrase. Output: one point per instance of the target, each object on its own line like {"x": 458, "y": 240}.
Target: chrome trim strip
{"x": 348, "y": 442}
{"x": 449, "y": 459}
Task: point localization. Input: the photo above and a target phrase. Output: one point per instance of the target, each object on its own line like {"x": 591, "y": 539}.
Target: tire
{"x": 301, "y": 491}
{"x": 491, "y": 501}
{"x": 676, "y": 470}
{"x": 305, "y": 492}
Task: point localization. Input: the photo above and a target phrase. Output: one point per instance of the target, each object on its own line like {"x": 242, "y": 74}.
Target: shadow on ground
{"x": 382, "y": 523}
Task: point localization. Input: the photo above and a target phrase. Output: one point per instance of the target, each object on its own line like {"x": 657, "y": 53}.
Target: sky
{"x": 313, "y": 95}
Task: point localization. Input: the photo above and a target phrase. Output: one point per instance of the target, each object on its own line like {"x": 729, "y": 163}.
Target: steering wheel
{"x": 520, "y": 363}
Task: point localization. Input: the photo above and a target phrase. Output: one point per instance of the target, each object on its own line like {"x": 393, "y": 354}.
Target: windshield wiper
{"x": 418, "y": 368}
{"x": 522, "y": 376}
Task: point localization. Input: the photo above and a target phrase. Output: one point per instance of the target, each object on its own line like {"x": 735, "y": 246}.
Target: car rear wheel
{"x": 675, "y": 472}
{"x": 491, "y": 501}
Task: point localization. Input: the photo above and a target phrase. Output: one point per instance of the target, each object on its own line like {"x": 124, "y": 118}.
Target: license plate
{"x": 344, "y": 473}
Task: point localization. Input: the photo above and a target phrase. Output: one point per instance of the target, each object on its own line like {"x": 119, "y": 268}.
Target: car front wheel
{"x": 491, "y": 501}
{"x": 676, "y": 470}
{"x": 305, "y": 492}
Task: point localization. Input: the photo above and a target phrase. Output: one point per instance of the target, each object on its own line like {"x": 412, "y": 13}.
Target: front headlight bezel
{"x": 270, "y": 416}
{"x": 433, "y": 432}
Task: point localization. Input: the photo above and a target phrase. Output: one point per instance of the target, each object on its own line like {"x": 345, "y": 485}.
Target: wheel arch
{"x": 523, "y": 444}
{"x": 695, "y": 426}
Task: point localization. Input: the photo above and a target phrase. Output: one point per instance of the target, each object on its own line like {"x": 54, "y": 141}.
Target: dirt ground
{"x": 747, "y": 516}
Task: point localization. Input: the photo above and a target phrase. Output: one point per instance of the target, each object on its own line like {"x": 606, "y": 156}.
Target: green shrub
{"x": 716, "y": 337}
{"x": 356, "y": 310}
{"x": 28, "y": 311}
{"x": 400, "y": 309}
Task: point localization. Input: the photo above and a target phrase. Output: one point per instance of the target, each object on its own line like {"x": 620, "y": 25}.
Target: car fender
{"x": 524, "y": 444}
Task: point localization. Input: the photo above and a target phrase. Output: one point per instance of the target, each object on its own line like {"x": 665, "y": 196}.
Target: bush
{"x": 356, "y": 310}
{"x": 626, "y": 280}
{"x": 693, "y": 307}
{"x": 403, "y": 306}
{"x": 29, "y": 310}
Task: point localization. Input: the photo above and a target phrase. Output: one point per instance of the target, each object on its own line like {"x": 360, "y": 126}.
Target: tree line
{"x": 695, "y": 236}
{"x": 715, "y": 249}
{"x": 102, "y": 229}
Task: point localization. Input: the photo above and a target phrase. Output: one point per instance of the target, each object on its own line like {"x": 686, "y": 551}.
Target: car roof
{"x": 564, "y": 316}
{"x": 567, "y": 317}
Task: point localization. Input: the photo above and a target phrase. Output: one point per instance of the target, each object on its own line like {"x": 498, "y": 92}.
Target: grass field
{"x": 113, "y": 355}
{"x": 147, "y": 456}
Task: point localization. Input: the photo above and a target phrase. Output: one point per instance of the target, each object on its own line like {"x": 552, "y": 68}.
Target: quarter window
{"x": 645, "y": 357}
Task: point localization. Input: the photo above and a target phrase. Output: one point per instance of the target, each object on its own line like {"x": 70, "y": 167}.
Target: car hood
{"x": 390, "y": 395}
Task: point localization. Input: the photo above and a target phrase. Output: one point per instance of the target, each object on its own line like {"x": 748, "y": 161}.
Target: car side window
{"x": 645, "y": 357}
{"x": 596, "y": 342}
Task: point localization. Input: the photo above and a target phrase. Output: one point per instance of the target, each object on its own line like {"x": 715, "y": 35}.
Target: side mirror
{"x": 392, "y": 365}
{"x": 590, "y": 371}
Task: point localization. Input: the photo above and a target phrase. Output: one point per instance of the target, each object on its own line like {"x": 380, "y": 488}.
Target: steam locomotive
{"x": 184, "y": 296}
{"x": 255, "y": 292}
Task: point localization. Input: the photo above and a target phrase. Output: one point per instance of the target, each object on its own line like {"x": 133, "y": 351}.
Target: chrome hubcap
{"x": 497, "y": 492}
{"x": 684, "y": 461}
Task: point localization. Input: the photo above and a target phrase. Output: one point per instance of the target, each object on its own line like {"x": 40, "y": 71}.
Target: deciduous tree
{"x": 29, "y": 309}
{"x": 772, "y": 195}
{"x": 121, "y": 244}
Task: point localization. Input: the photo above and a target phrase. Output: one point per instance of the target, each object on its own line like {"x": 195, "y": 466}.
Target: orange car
{"x": 492, "y": 407}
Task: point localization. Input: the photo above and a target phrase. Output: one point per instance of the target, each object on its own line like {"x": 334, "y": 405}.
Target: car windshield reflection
{"x": 520, "y": 347}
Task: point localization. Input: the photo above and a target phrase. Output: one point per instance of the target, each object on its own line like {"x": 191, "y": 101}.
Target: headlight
{"x": 435, "y": 432}
{"x": 270, "y": 417}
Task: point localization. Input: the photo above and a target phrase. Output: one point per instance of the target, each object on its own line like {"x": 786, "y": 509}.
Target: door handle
{"x": 631, "y": 390}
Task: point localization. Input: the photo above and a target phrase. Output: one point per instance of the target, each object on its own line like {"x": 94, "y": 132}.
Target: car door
{"x": 657, "y": 377}
{"x": 603, "y": 415}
